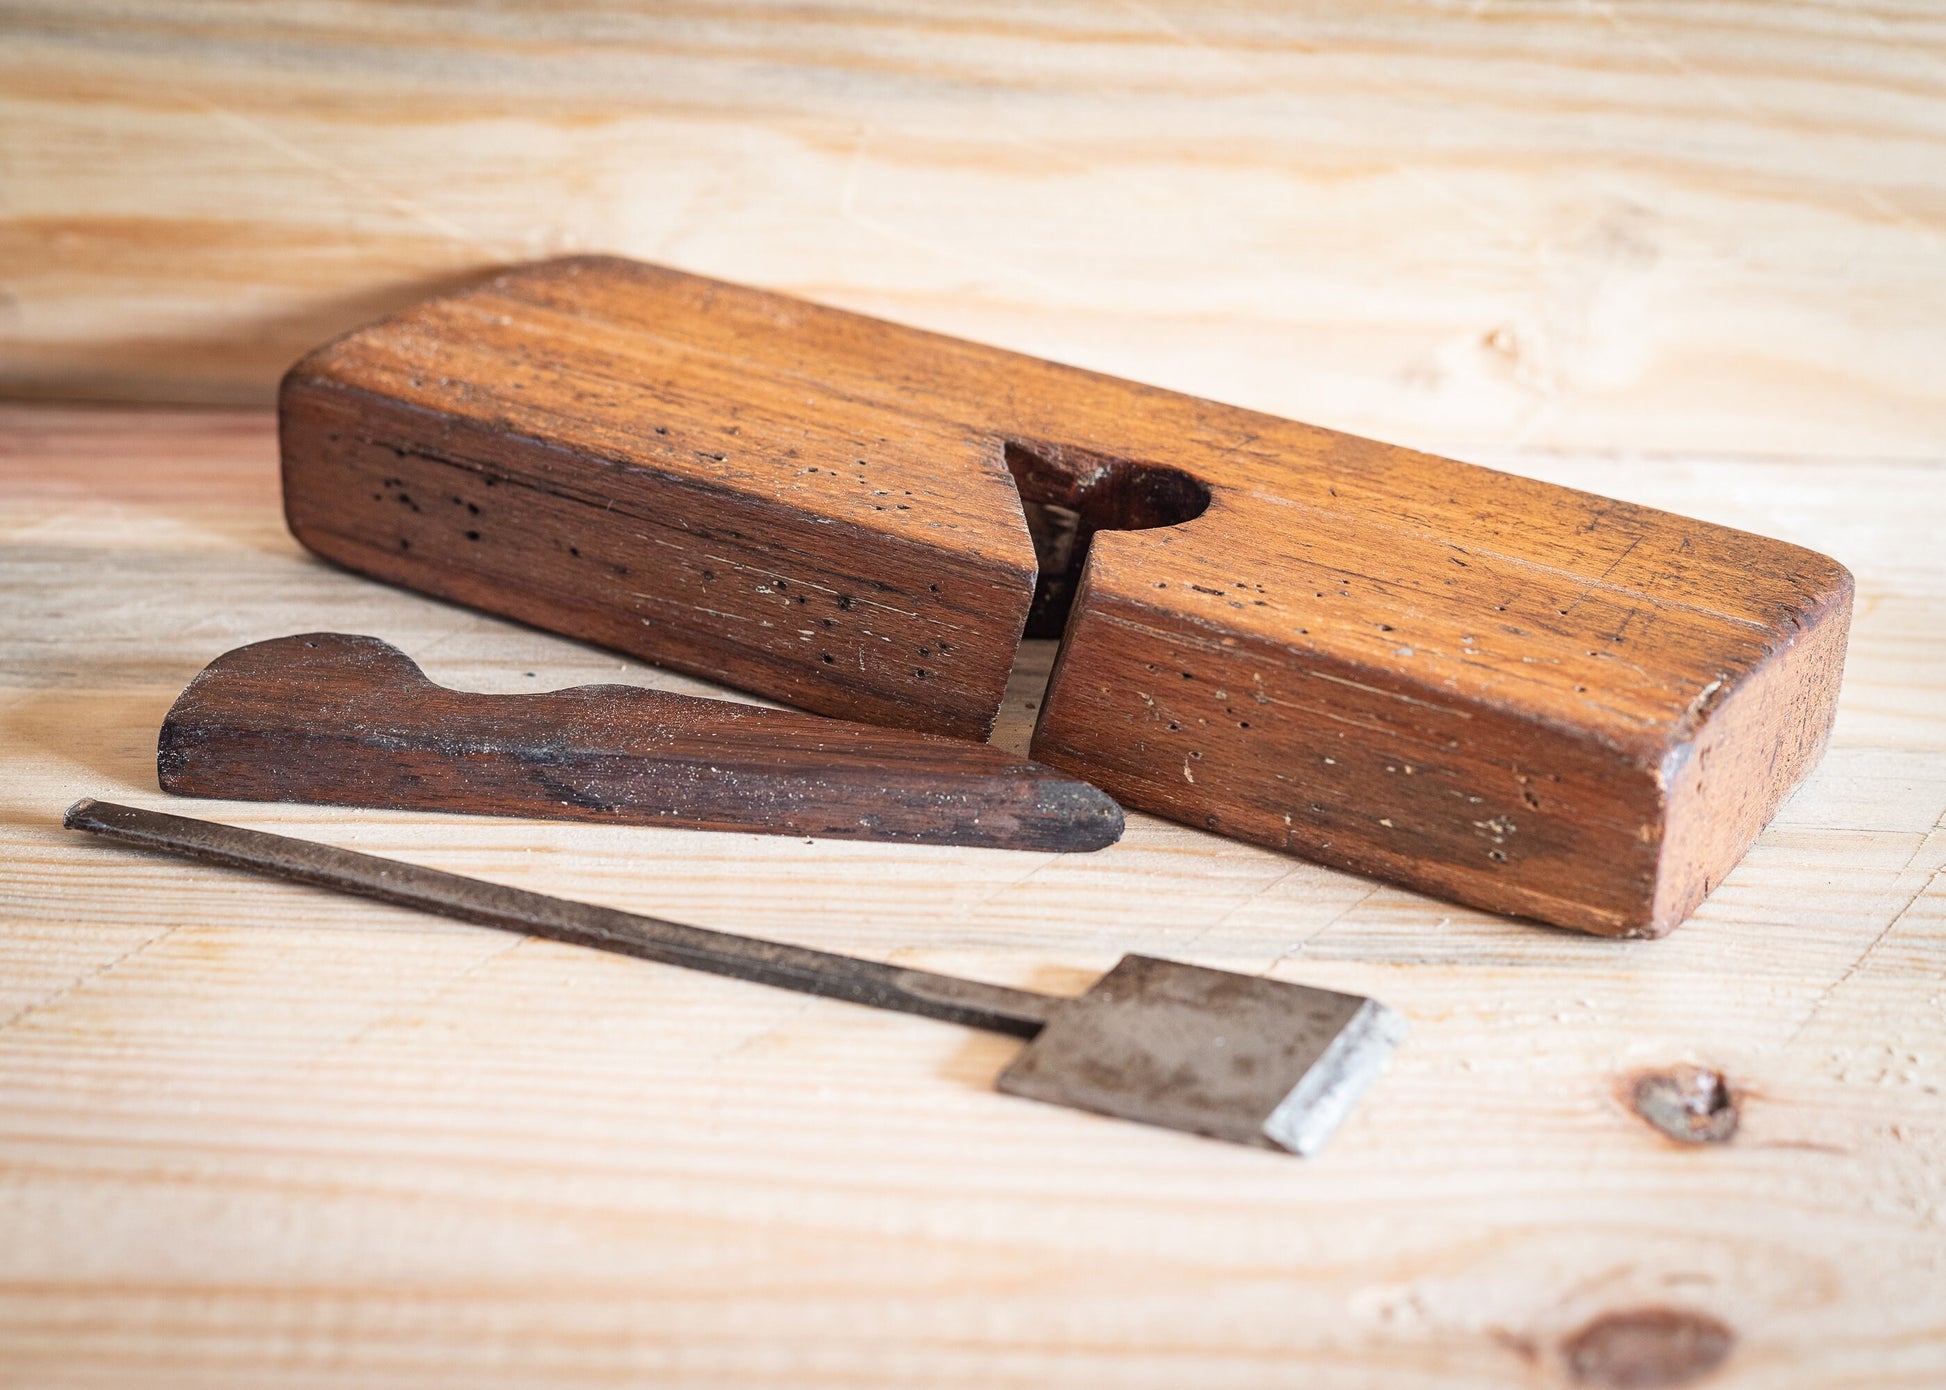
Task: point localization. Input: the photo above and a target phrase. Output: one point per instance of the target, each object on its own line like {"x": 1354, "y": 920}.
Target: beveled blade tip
{"x": 1230, "y": 1056}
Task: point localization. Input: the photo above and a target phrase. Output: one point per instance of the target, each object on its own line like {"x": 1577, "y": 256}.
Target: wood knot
{"x": 1645, "y": 1348}
{"x": 1692, "y": 1105}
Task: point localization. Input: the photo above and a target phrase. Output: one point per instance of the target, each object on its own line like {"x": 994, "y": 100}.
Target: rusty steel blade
{"x": 1229, "y": 1056}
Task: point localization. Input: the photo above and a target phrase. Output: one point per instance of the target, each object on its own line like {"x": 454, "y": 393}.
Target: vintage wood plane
{"x": 1508, "y": 693}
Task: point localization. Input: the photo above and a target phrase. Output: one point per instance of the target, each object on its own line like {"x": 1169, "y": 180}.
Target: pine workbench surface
{"x": 1683, "y": 252}
{"x": 251, "y": 1131}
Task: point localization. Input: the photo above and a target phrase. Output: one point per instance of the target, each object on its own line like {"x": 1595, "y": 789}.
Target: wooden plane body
{"x": 1511, "y": 694}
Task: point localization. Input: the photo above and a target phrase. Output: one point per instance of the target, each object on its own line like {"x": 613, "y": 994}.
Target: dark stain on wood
{"x": 1689, "y": 1104}
{"x": 351, "y": 721}
{"x": 1496, "y": 690}
{"x": 1647, "y": 1348}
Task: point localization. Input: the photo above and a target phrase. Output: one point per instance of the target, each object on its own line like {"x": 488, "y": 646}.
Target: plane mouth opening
{"x": 1069, "y": 494}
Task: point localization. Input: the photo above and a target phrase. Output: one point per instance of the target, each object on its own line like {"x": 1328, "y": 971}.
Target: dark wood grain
{"x": 352, "y": 721}
{"x": 1516, "y": 695}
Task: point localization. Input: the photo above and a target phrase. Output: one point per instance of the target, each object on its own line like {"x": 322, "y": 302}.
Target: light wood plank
{"x": 251, "y": 1134}
{"x": 1688, "y": 224}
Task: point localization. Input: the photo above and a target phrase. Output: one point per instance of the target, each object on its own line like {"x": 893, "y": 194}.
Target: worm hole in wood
{"x": 1069, "y": 494}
